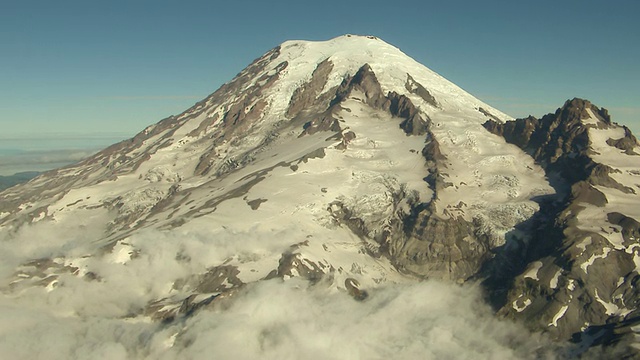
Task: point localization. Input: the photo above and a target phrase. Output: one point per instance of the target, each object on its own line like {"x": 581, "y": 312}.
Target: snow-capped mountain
{"x": 346, "y": 166}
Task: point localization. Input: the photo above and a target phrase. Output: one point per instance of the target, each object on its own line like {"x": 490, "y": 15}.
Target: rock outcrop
{"x": 576, "y": 277}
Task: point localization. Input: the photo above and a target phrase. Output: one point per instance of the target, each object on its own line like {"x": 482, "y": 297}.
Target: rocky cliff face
{"x": 349, "y": 165}
{"x": 578, "y": 274}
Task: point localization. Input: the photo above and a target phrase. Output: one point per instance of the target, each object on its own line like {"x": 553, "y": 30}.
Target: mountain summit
{"x": 346, "y": 166}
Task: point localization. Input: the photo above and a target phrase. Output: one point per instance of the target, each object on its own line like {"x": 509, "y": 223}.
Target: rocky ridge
{"x": 577, "y": 275}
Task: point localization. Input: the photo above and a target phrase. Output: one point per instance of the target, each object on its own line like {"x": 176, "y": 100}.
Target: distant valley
{"x": 15, "y": 179}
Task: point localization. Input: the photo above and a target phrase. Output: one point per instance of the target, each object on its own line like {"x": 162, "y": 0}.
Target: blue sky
{"x": 70, "y": 68}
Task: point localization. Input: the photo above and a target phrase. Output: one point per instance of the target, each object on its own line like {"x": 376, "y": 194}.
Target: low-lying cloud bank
{"x": 427, "y": 320}
{"x": 285, "y": 320}
{"x": 274, "y": 319}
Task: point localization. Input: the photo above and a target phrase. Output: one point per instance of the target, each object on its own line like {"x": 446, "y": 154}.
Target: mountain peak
{"x": 353, "y": 40}
{"x": 582, "y": 109}
{"x": 349, "y": 166}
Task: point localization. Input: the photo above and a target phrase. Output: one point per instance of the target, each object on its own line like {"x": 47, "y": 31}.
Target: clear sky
{"x": 114, "y": 67}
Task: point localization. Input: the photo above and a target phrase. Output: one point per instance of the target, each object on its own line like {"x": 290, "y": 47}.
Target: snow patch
{"x": 532, "y": 270}
{"x": 605, "y": 252}
{"x": 636, "y": 259}
{"x": 553, "y": 284}
{"x": 40, "y": 216}
{"x": 611, "y": 308}
{"x": 584, "y": 243}
{"x": 558, "y": 315}
{"x": 525, "y": 304}
{"x": 591, "y": 119}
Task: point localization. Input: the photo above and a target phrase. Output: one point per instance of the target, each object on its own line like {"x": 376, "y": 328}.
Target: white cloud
{"x": 103, "y": 319}
{"x": 270, "y": 319}
{"x": 287, "y": 320}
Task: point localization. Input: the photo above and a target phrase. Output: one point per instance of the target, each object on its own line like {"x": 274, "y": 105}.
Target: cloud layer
{"x": 272, "y": 319}
{"x": 286, "y": 320}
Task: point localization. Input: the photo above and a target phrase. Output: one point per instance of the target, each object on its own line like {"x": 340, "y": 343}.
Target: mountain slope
{"x": 344, "y": 163}
{"x": 585, "y": 276}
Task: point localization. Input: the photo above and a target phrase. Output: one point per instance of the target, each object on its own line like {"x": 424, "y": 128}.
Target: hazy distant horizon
{"x": 28, "y": 152}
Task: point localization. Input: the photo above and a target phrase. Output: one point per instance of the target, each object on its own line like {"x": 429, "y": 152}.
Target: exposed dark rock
{"x": 439, "y": 248}
{"x": 414, "y": 123}
{"x": 416, "y": 88}
{"x": 398, "y": 105}
{"x": 431, "y": 151}
{"x": 615, "y": 340}
{"x": 238, "y": 112}
{"x": 366, "y": 82}
{"x": 434, "y": 158}
{"x": 204, "y": 125}
{"x": 294, "y": 264}
{"x": 207, "y": 160}
{"x": 324, "y": 122}
{"x": 584, "y": 193}
{"x": 628, "y": 143}
{"x": 599, "y": 175}
{"x": 316, "y": 154}
{"x": 218, "y": 279}
{"x": 630, "y": 227}
{"x": 560, "y": 142}
{"x": 304, "y": 96}
{"x": 255, "y": 204}
{"x": 488, "y": 114}
{"x": 343, "y": 215}
{"x": 572, "y": 275}
{"x": 353, "y": 288}
{"x": 517, "y": 132}
{"x": 170, "y": 310}
{"x": 43, "y": 272}
{"x": 346, "y": 137}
